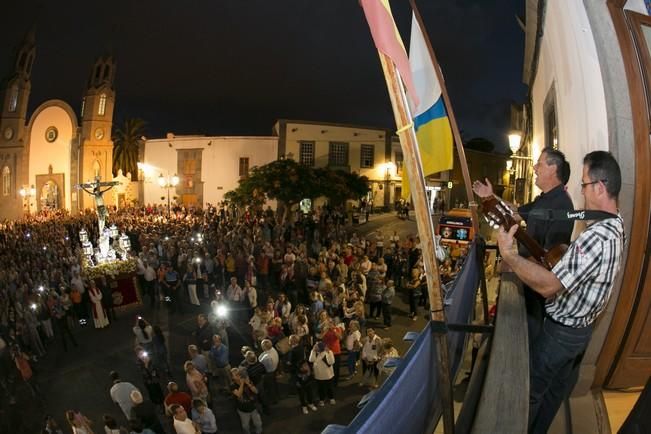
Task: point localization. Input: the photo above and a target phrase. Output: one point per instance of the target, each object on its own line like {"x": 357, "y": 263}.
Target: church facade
{"x": 43, "y": 156}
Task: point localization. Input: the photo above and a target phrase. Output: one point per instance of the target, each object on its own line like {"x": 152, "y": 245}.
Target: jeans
{"x": 351, "y": 361}
{"x": 554, "y": 362}
{"x": 247, "y": 417}
{"x": 305, "y": 393}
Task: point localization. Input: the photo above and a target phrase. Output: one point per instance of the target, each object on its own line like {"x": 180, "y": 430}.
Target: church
{"x": 44, "y": 156}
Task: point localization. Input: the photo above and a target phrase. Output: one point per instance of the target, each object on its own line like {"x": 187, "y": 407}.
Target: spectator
{"x": 121, "y": 393}
{"x": 174, "y": 396}
{"x": 322, "y": 360}
{"x": 145, "y": 411}
{"x": 203, "y": 417}
{"x": 371, "y": 347}
{"x": 220, "y": 364}
{"x": 244, "y": 393}
{"x": 183, "y": 424}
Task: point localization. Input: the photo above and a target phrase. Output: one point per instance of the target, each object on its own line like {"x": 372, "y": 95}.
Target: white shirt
{"x": 121, "y": 395}
{"x": 150, "y": 273}
{"x": 269, "y": 359}
{"x": 351, "y": 338}
{"x": 323, "y": 370}
{"x": 184, "y": 427}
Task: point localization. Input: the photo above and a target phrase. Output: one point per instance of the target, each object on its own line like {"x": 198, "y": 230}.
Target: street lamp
{"x": 514, "y": 141}
{"x": 168, "y": 182}
{"x": 26, "y": 194}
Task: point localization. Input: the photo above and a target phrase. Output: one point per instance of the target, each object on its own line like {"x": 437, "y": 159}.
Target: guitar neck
{"x": 534, "y": 248}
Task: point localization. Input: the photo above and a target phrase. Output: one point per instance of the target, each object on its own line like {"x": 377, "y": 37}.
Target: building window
{"x": 102, "y": 105}
{"x": 307, "y": 154}
{"x": 97, "y": 169}
{"x": 6, "y": 181}
{"x": 338, "y": 154}
{"x": 400, "y": 162}
{"x": 244, "y": 167}
{"x": 83, "y": 106}
{"x": 367, "y": 156}
{"x": 13, "y": 99}
{"x": 551, "y": 121}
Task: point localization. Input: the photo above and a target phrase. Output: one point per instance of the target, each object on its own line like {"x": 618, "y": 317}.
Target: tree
{"x": 289, "y": 182}
{"x": 127, "y": 140}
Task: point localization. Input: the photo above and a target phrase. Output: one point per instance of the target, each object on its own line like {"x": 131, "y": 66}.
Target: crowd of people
{"x": 302, "y": 290}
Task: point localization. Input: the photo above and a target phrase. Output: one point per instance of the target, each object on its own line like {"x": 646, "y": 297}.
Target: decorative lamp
{"x": 175, "y": 180}
{"x": 515, "y": 138}
{"x": 161, "y": 180}
{"x": 87, "y": 248}
{"x": 83, "y": 236}
{"x": 125, "y": 242}
{"x": 114, "y": 232}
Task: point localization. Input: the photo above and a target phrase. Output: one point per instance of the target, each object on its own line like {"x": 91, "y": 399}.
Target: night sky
{"x": 232, "y": 67}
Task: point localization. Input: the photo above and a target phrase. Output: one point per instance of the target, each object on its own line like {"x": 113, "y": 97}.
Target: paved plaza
{"x": 79, "y": 379}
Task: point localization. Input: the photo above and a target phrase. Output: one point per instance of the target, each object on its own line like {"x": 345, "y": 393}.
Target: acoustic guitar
{"x": 497, "y": 213}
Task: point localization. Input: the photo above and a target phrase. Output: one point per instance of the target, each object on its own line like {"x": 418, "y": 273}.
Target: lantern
{"x": 114, "y": 232}
{"x": 87, "y": 248}
{"x": 125, "y": 242}
{"x": 83, "y": 236}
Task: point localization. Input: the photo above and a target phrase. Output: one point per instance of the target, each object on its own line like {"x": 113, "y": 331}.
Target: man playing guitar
{"x": 552, "y": 173}
{"x": 577, "y": 290}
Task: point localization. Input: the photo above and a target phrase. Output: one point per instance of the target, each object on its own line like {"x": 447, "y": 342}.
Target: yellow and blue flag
{"x": 431, "y": 121}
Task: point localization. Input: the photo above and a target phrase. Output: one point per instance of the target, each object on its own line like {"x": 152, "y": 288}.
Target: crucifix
{"x": 94, "y": 188}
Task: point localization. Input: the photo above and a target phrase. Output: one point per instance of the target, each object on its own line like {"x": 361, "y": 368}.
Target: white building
{"x": 207, "y": 167}
{"x": 367, "y": 151}
{"x": 587, "y": 64}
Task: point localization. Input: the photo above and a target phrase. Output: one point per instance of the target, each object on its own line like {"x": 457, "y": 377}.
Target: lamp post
{"x": 26, "y": 194}
{"x": 168, "y": 182}
{"x": 389, "y": 167}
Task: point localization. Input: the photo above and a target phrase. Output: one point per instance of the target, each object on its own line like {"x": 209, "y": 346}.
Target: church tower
{"x": 14, "y": 97}
{"x": 96, "y": 126}
{"x": 15, "y": 94}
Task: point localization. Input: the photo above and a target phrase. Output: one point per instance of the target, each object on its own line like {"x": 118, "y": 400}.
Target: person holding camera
{"x": 323, "y": 359}
{"x": 245, "y": 395}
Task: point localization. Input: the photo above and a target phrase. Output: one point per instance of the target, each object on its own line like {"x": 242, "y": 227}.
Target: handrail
{"x": 504, "y": 403}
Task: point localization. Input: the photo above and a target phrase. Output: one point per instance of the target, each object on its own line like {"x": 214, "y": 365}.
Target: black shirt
{"x": 548, "y": 233}
{"x": 246, "y": 403}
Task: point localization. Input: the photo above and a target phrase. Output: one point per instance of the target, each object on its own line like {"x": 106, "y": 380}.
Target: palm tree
{"x": 126, "y": 143}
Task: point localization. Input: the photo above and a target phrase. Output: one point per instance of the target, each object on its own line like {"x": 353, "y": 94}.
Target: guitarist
{"x": 552, "y": 173}
{"x": 577, "y": 290}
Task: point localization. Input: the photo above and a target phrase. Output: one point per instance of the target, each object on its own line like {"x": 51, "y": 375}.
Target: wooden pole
{"x": 453, "y": 122}
{"x": 414, "y": 167}
{"x": 472, "y": 204}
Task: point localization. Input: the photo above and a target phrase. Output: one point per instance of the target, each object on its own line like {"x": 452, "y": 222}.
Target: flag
{"x": 430, "y": 117}
{"x": 387, "y": 39}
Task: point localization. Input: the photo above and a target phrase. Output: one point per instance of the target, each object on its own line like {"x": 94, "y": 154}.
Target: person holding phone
{"x": 323, "y": 360}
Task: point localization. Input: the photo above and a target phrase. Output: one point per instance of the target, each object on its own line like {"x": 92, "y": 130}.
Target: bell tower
{"x": 15, "y": 93}
{"x": 96, "y": 124}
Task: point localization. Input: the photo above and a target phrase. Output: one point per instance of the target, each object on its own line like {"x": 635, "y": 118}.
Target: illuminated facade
{"x": 44, "y": 155}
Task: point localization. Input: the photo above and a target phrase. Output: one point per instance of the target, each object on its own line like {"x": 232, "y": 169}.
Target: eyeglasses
{"x": 585, "y": 184}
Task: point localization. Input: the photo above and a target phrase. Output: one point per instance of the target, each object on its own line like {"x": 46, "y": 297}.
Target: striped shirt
{"x": 587, "y": 272}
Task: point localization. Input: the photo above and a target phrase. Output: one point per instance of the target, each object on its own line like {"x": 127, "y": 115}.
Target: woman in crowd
{"x": 196, "y": 381}
{"x": 353, "y": 346}
{"x": 322, "y": 360}
{"x": 144, "y": 333}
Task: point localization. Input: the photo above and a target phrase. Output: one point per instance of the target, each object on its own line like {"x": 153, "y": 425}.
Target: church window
{"x": 6, "y": 181}
{"x": 107, "y": 70}
{"x": 83, "y": 106}
{"x": 96, "y": 168}
{"x": 13, "y": 99}
{"x": 102, "y": 105}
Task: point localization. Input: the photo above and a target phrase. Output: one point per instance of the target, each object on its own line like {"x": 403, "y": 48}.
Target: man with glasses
{"x": 577, "y": 290}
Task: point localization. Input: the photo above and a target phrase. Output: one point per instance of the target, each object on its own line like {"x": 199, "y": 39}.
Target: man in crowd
{"x": 121, "y": 393}
{"x": 577, "y": 290}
